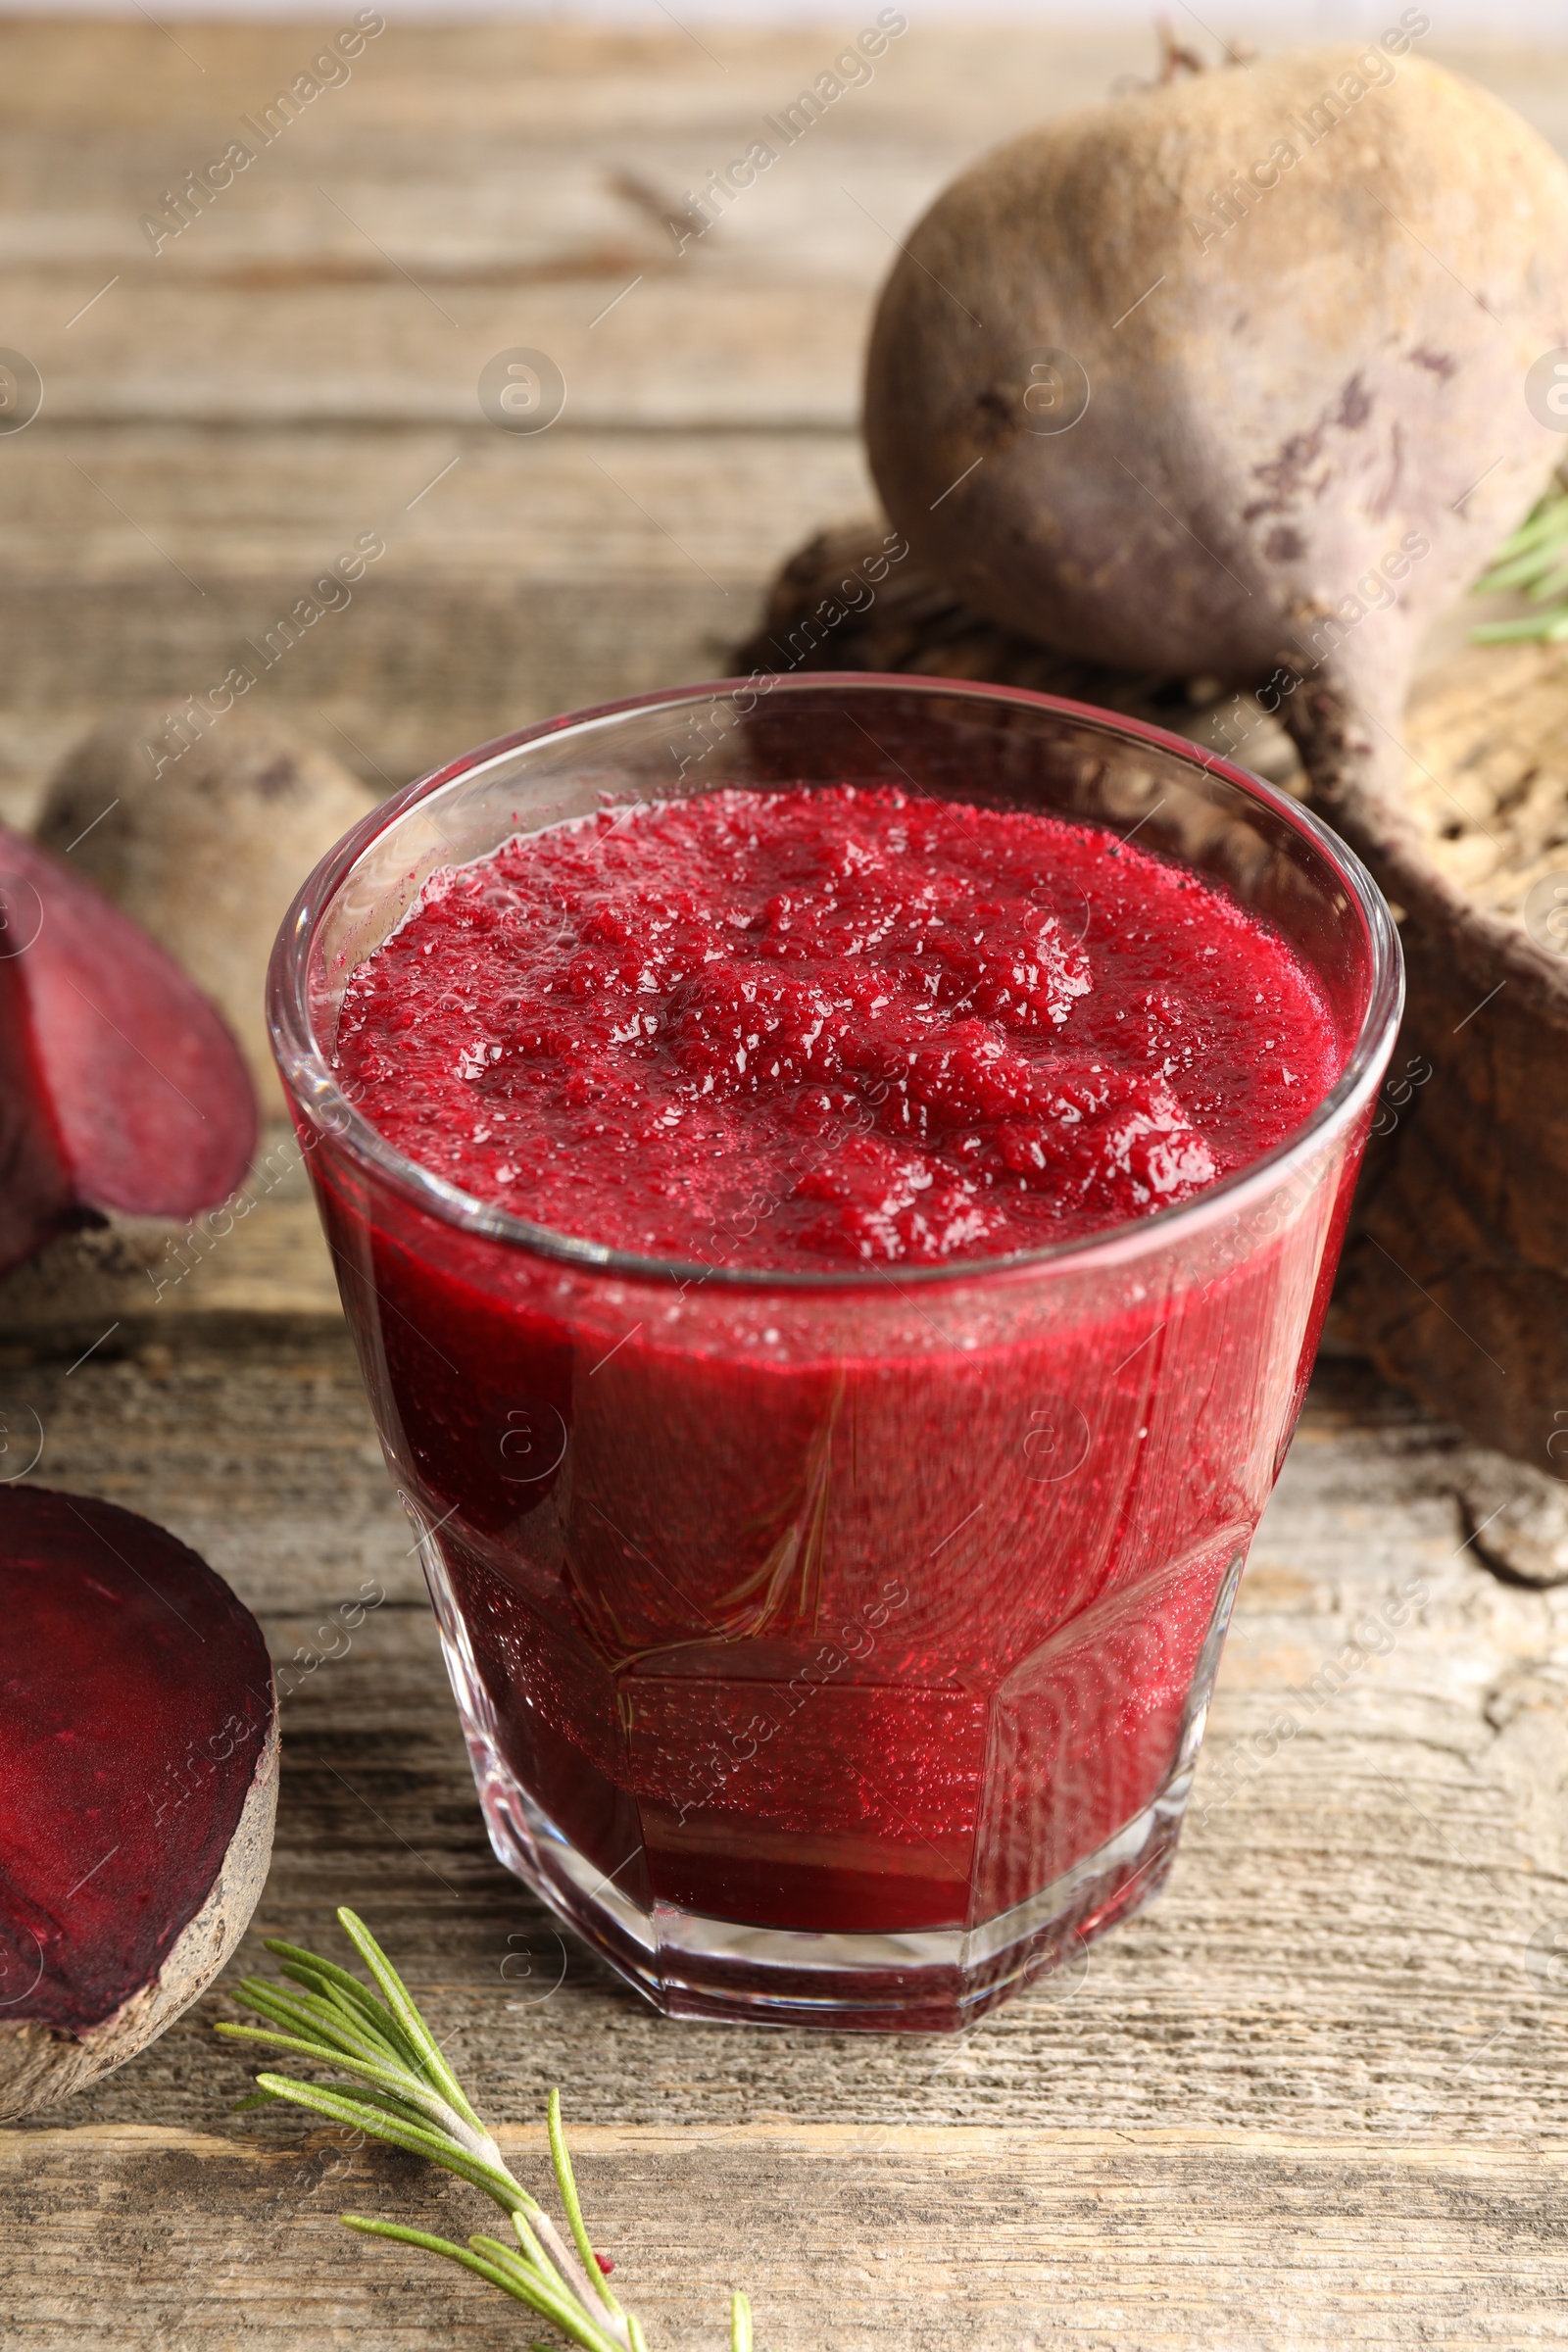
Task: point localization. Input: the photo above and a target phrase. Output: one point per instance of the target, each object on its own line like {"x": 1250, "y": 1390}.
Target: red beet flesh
{"x": 135, "y": 1700}
{"x": 119, "y": 1086}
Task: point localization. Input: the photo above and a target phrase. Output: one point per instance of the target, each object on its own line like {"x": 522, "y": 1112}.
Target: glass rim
{"x": 313, "y": 1086}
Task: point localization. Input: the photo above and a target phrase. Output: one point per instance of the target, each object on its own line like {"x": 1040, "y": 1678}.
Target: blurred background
{"x": 1286, "y": 20}
{"x": 228, "y": 376}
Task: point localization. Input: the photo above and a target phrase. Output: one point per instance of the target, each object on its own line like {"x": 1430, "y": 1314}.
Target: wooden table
{"x": 1317, "y": 2094}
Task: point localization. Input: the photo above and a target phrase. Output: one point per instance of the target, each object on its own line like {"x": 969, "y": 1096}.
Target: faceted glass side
{"x": 899, "y": 1974}
{"x": 837, "y": 1648}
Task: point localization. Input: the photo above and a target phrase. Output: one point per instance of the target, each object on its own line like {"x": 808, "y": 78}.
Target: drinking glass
{"x": 834, "y": 1647}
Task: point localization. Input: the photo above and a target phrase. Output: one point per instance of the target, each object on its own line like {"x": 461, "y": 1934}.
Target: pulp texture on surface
{"x": 892, "y": 1028}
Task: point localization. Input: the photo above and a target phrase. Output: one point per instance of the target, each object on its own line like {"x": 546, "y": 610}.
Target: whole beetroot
{"x": 1245, "y": 376}
{"x": 1300, "y": 302}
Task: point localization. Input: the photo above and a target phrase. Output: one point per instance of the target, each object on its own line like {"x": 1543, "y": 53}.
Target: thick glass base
{"x": 936, "y": 1981}
{"x": 932, "y": 1980}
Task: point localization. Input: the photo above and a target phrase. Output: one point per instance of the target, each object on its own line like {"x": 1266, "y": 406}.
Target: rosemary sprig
{"x": 401, "y": 2090}
{"x": 1536, "y": 560}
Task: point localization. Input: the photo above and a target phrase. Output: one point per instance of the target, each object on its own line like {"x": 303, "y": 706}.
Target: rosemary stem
{"x": 576, "y": 2279}
{"x": 548, "y": 2295}
{"x": 566, "y": 2184}
{"x": 481, "y": 2255}
{"x": 400, "y": 2090}
{"x": 533, "y": 2250}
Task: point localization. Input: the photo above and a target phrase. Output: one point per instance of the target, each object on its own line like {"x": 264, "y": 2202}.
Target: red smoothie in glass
{"x": 919, "y": 1031}
{"x": 820, "y": 1642}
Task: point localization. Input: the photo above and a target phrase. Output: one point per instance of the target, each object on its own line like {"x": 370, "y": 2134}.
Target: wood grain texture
{"x": 1351, "y": 1923}
{"x": 1316, "y": 2095}
{"x": 1001, "y": 2241}
{"x": 261, "y": 1254}
{"x": 273, "y": 377}
{"x": 533, "y": 577}
{"x": 1320, "y": 2093}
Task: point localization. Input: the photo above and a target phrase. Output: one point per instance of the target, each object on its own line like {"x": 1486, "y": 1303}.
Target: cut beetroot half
{"x": 119, "y": 1086}
{"x": 139, "y": 1782}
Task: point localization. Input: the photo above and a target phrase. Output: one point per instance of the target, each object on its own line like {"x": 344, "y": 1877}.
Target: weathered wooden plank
{"x": 535, "y": 576}
{"x": 1352, "y": 1995}
{"x": 276, "y": 506}
{"x": 559, "y": 81}
{"x": 1359, "y": 1940}
{"x": 409, "y": 675}
{"x": 671, "y": 356}
{"x": 555, "y": 82}
{"x": 847, "y": 2240}
{"x": 492, "y": 223}
{"x": 676, "y": 351}
{"x": 557, "y": 205}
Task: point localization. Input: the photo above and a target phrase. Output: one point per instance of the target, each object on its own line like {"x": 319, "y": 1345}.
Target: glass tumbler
{"x": 835, "y": 1647}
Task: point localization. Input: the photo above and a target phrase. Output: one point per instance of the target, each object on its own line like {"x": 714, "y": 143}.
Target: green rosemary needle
{"x": 1536, "y": 560}
{"x": 400, "y": 2090}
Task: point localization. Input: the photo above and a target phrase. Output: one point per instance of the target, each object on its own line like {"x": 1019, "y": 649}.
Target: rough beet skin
{"x": 1165, "y": 381}
{"x": 138, "y": 1771}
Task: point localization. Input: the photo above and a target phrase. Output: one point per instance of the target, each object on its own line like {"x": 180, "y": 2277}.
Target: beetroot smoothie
{"x": 880, "y": 1630}
{"x": 914, "y": 1031}
{"x": 834, "y": 1182}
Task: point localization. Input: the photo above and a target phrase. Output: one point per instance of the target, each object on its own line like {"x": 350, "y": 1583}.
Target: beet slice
{"x": 121, "y": 1087}
{"x": 139, "y": 1782}
{"x": 37, "y": 1194}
